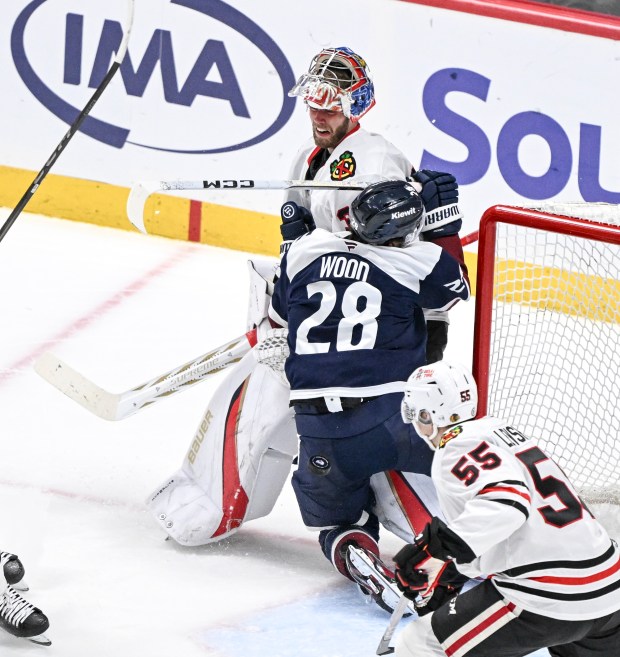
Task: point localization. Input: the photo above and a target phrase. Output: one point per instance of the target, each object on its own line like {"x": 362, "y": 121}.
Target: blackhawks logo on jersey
{"x": 449, "y": 435}
{"x": 344, "y": 167}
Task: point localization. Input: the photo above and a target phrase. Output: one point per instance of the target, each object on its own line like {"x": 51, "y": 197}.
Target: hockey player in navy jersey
{"x": 511, "y": 516}
{"x": 352, "y": 303}
{"x": 241, "y": 454}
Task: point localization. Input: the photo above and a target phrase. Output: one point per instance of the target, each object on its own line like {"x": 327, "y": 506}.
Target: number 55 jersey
{"x": 354, "y": 312}
{"x": 519, "y": 514}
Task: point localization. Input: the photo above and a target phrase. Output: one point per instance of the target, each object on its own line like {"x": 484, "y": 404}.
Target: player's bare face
{"x": 328, "y": 127}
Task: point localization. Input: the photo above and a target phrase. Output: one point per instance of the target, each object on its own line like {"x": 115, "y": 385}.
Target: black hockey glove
{"x": 425, "y": 571}
{"x": 296, "y": 221}
{"x": 438, "y": 188}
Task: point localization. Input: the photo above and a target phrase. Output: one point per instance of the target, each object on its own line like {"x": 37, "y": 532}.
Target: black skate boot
{"x": 374, "y": 578}
{"x": 13, "y": 571}
{"x": 21, "y": 619}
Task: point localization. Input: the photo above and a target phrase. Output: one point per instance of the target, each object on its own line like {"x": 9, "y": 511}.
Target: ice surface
{"x": 122, "y": 307}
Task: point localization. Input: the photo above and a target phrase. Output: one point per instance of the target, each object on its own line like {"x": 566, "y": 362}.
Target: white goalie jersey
{"x": 361, "y": 157}
{"x": 520, "y": 515}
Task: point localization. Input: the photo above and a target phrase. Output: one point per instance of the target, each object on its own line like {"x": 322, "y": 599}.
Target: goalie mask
{"x": 440, "y": 394}
{"x": 337, "y": 80}
{"x": 385, "y": 211}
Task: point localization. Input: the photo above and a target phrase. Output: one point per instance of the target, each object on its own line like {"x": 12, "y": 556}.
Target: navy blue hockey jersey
{"x": 354, "y": 312}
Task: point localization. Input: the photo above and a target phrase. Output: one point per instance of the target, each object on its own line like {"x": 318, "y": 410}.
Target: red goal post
{"x": 547, "y": 334}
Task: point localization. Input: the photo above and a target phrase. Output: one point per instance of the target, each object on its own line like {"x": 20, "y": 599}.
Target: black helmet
{"x": 385, "y": 211}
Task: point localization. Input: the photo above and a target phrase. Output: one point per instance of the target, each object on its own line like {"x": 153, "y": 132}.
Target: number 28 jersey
{"x": 517, "y": 511}
{"x": 354, "y": 312}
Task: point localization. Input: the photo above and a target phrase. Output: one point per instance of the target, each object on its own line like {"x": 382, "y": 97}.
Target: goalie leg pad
{"x": 237, "y": 463}
{"x": 405, "y": 502}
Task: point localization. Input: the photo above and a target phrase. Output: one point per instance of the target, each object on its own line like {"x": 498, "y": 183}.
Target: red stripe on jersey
{"x": 313, "y": 155}
{"x": 505, "y": 489}
{"x": 234, "y": 498}
{"x": 415, "y": 511}
{"x": 484, "y": 624}
{"x": 577, "y": 581}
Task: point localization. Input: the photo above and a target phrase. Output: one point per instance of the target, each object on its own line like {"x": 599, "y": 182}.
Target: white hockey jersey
{"x": 518, "y": 512}
{"x": 361, "y": 156}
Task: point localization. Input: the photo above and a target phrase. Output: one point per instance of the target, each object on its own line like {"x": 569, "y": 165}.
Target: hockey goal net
{"x": 547, "y": 334}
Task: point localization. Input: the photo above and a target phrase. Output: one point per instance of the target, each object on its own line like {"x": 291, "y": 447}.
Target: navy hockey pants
{"x": 339, "y": 452}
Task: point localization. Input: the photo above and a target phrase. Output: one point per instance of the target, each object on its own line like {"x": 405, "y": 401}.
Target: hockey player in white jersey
{"x": 352, "y": 303}
{"x": 511, "y": 516}
{"x": 242, "y": 452}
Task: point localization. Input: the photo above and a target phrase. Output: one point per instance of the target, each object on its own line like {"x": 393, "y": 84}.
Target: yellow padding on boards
{"x": 243, "y": 230}
{"x": 68, "y": 198}
{"x": 164, "y": 215}
{"x": 550, "y": 288}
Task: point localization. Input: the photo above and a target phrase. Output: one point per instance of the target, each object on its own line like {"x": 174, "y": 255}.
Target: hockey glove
{"x": 296, "y": 221}
{"x": 438, "y": 188}
{"x": 425, "y": 571}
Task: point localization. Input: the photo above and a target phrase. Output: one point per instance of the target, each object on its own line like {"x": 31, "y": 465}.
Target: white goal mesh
{"x": 547, "y": 353}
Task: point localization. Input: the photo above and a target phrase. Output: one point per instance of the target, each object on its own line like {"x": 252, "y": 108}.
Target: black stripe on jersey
{"x": 517, "y": 505}
{"x": 551, "y": 565}
{"x": 505, "y": 482}
{"x": 569, "y": 597}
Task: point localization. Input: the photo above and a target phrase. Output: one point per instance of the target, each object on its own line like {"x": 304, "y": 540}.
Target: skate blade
{"x": 40, "y": 640}
{"x": 21, "y": 586}
{"x": 390, "y": 593}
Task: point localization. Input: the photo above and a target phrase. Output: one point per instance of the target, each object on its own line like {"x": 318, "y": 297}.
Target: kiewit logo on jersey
{"x": 344, "y": 167}
{"x": 215, "y": 68}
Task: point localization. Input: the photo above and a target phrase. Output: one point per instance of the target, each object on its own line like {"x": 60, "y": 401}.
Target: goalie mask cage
{"x": 547, "y": 334}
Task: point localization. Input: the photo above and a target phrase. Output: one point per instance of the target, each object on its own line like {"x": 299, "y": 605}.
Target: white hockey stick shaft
{"x": 142, "y": 190}
{"x": 384, "y": 645}
{"x": 118, "y": 406}
{"x": 75, "y": 126}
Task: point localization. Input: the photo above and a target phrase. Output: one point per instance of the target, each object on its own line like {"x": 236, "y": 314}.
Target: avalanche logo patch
{"x": 344, "y": 167}
{"x": 449, "y": 435}
{"x": 320, "y": 465}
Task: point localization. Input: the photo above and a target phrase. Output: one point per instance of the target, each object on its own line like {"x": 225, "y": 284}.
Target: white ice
{"x": 121, "y": 308}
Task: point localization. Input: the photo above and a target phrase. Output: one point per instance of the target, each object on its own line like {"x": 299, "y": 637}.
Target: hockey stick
{"x": 118, "y": 406}
{"x": 384, "y": 645}
{"x": 142, "y": 190}
{"x": 75, "y": 126}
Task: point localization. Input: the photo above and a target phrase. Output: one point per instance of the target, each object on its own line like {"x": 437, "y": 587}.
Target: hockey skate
{"x": 375, "y": 580}
{"x": 13, "y": 570}
{"x": 21, "y": 619}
